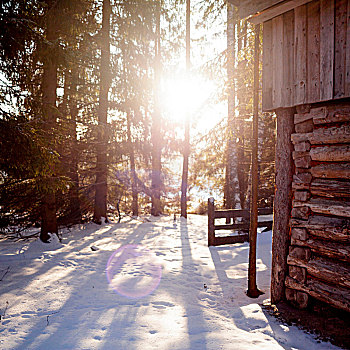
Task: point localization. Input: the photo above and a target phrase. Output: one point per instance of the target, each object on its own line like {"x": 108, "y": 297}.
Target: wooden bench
{"x": 231, "y": 215}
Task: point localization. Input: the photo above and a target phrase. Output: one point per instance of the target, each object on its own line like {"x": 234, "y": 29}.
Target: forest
{"x": 116, "y": 107}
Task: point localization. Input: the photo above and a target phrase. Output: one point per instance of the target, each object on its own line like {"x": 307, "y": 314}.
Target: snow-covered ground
{"x": 57, "y": 296}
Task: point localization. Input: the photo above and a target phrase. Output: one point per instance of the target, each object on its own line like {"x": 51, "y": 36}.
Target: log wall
{"x": 319, "y": 252}
{"x": 306, "y": 55}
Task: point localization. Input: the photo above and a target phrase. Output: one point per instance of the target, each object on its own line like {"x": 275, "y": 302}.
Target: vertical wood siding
{"x": 306, "y": 56}
{"x": 267, "y": 72}
{"x": 326, "y": 49}
{"x": 347, "y": 64}
{"x": 313, "y": 51}
{"x": 300, "y": 62}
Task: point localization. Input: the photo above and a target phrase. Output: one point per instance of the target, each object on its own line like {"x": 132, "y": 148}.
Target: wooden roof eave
{"x": 264, "y": 10}
{"x": 277, "y": 10}
{"x": 250, "y": 7}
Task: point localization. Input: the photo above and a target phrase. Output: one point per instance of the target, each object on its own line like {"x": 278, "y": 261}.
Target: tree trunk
{"x": 100, "y": 209}
{"x": 49, "y": 113}
{"x": 283, "y": 202}
{"x": 253, "y": 291}
{"x": 156, "y": 130}
{"x": 74, "y": 199}
{"x": 135, "y": 204}
{"x": 184, "y": 181}
{"x": 186, "y": 148}
{"x": 230, "y": 173}
{"x": 243, "y": 159}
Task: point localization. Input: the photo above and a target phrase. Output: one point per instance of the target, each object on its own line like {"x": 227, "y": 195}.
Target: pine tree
{"x": 100, "y": 208}
{"x": 49, "y": 114}
{"x": 230, "y": 160}
{"x": 156, "y": 124}
{"x": 186, "y": 144}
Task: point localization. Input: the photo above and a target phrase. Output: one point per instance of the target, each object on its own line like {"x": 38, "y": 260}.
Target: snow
{"x": 165, "y": 290}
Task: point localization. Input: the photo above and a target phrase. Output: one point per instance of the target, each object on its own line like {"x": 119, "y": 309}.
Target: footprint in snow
{"x": 162, "y": 304}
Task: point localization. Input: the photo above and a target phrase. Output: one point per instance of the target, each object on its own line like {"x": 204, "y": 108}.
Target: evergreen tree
{"x": 156, "y": 123}
{"x": 230, "y": 159}
{"x": 100, "y": 208}
{"x": 34, "y": 54}
{"x": 186, "y": 144}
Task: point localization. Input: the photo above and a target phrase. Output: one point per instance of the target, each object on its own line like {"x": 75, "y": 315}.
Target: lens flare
{"x": 133, "y": 271}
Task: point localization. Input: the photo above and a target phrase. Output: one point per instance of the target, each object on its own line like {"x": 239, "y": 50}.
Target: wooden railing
{"x": 231, "y": 215}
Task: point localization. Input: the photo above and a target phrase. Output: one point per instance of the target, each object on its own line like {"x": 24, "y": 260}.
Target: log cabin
{"x": 306, "y": 82}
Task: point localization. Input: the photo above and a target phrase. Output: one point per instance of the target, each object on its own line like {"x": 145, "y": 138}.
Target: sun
{"x": 184, "y": 96}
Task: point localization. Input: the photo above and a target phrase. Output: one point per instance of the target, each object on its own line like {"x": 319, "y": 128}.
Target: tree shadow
{"x": 195, "y": 321}
{"x": 51, "y": 329}
{"x": 227, "y": 259}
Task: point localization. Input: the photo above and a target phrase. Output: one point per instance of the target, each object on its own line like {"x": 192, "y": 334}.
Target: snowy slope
{"x": 57, "y": 296}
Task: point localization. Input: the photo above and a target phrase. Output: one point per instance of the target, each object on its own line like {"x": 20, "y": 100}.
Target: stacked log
{"x": 319, "y": 252}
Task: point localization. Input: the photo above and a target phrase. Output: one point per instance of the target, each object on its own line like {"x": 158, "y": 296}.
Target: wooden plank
{"x": 340, "y": 48}
{"x": 300, "y": 118}
{"x": 299, "y": 154}
{"x": 299, "y": 252}
{"x": 333, "y": 250}
{"x": 326, "y": 49}
{"x": 313, "y": 52}
{"x": 265, "y": 211}
{"x": 231, "y": 213}
{"x": 330, "y": 188}
{"x": 277, "y": 10}
{"x": 267, "y": 73}
{"x": 331, "y": 153}
{"x": 324, "y": 269}
{"x": 242, "y": 226}
{"x": 332, "y": 116}
{"x": 297, "y": 137}
{"x": 303, "y": 162}
{"x": 300, "y": 50}
{"x": 301, "y": 196}
{"x": 211, "y": 221}
{"x": 304, "y": 178}
{"x": 347, "y": 64}
{"x": 329, "y": 228}
{"x": 302, "y": 146}
{"x": 331, "y": 171}
{"x": 277, "y": 49}
{"x": 249, "y": 7}
{"x": 331, "y": 135}
{"x": 337, "y": 297}
{"x": 240, "y": 213}
{"x": 300, "y": 212}
{"x": 304, "y": 127}
{"x": 288, "y": 60}
{"x": 329, "y": 207}
{"x": 296, "y": 272}
{"x": 300, "y": 233}
{"x": 231, "y": 239}
{"x": 301, "y": 181}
